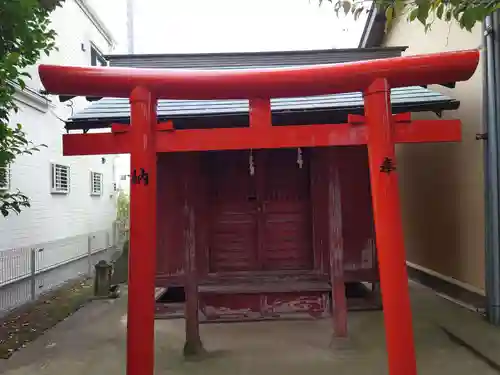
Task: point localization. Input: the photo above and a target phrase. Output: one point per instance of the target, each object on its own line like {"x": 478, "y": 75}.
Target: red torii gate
{"x": 378, "y": 129}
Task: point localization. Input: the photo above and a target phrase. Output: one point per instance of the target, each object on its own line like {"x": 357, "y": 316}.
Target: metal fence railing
{"x": 28, "y": 272}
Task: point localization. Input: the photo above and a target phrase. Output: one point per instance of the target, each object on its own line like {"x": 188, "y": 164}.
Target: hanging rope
{"x": 300, "y": 160}
{"x": 251, "y": 164}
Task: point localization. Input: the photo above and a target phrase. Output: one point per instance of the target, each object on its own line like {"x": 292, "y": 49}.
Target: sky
{"x": 186, "y": 26}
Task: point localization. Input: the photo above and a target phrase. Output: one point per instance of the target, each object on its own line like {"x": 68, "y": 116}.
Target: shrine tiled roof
{"x": 302, "y": 110}
{"x": 405, "y": 99}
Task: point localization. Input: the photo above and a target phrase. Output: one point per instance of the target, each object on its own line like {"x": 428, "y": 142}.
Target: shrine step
{"x": 172, "y": 310}
{"x": 264, "y": 301}
{"x": 264, "y": 297}
{"x": 244, "y": 304}
{"x": 265, "y": 286}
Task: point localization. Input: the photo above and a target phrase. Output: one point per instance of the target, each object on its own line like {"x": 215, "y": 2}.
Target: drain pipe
{"x": 495, "y": 309}
{"x": 488, "y": 193}
{"x": 491, "y": 111}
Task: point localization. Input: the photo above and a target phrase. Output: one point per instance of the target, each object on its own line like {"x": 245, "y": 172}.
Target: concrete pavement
{"x": 92, "y": 341}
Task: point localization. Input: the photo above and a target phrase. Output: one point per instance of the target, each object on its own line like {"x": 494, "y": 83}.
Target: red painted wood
{"x": 286, "y": 211}
{"x": 261, "y": 221}
{"x": 402, "y": 117}
{"x": 321, "y": 196}
{"x": 359, "y": 255}
{"x": 233, "y": 205}
{"x": 166, "y": 281}
{"x": 336, "y": 246}
{"x": 389, "y": 232}
{"x": 233, "y": 239}
{"x": 287, "y": 236}
{"x": 142, "y": 253}
{"x": 260, "y": 83}
{"x": 272, "y": 137}
{"x": 188, "y": 175}
{"x": 96, "y": 144}
{"x": 418, "y": 131}
{"x": 202, "y": 216}
{"x": 120, "y": 128}
{"x": 265, "y": 281}
{"x": 230, "y": 307}
{"x": 260, "y": 112}
{"x": 357, "y": 214}
{"x": 356, "y": 119}
{"x": 243, "y": 306}
{"x": 281, "y": 305}
{"x": 162, "y": 219}
{"x": 170, "y": 205}
{"x": 260, "y": 189}
{"x": 316, "y": 185}
{"x": 301, "y": 81}
{"x": 361, "y": 120}
{"x": 163, "y": 280}
{"x": 166, "y": 126}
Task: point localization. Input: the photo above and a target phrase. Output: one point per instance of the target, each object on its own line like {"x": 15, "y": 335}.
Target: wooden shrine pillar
{"x": 389, "y": 229}
{"x": 336, "y": 246}
{"x": 142, "y": 247}
{"x": 193, "y": 345}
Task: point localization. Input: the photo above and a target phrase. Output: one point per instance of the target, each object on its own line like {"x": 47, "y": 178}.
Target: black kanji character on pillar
{"x": 143, "y": 176}
{"x": 387, "y": 165}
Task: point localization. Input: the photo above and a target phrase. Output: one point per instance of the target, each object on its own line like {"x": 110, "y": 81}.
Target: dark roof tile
{"x": 104, "y": 111}
{"x": 418, "y": 98}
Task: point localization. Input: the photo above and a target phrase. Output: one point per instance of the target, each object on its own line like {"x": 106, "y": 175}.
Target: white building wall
{"x": 58, "y": 216}
{"x": 122, "y": 168}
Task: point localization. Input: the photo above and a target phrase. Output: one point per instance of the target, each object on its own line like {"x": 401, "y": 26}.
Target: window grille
{"x": 95, "y": 183}
{"x": 60, "y": 179}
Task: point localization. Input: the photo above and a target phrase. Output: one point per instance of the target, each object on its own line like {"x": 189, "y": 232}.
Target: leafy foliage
{"x": 122, "y": 218}
{"x": 122, "y": 209}
{"x": 25, "y": 33}
{"x": 465, "y": 12}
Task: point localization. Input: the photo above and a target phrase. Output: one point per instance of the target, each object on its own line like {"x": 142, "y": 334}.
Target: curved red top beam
{"x": 249, "y": 83}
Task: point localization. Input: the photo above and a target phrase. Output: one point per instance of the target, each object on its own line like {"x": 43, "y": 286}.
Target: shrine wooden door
{"x": 284, "y": 216}
{"x": 233, "y": 233}
{"x": 260, "y": 211}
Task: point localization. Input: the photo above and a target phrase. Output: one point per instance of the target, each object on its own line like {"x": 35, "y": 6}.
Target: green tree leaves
{"x": 25, "y": 33}
{"x": 465, "y": 12}
{"x": 122, "y": 207}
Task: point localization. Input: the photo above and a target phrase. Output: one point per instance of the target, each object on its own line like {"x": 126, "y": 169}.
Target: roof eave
{"x": 222, "y": 54}
{"x": 374, "y": 30}
{"x": 102, "y": 123}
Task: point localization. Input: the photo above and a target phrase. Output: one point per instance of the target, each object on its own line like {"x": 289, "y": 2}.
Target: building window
{"x": 96, "y": 58}
{"x": 60, "y": 179}
{"x": 4, "y": 178}
{"x": 95, "y": 183}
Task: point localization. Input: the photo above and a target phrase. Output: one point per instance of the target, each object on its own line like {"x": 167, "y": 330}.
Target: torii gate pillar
{"x": 144, "y": 140}
{"x": 389, "y": 230}
{"x": 142, "y": 253}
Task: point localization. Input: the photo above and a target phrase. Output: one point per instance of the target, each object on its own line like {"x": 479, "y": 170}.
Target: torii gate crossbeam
{"x": 379, "y": 129}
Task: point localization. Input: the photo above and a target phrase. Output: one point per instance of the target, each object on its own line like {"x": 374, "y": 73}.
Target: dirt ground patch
{"x": 27, "y": 322}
